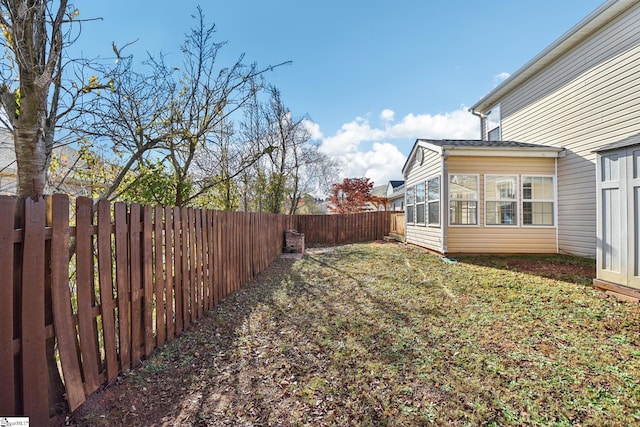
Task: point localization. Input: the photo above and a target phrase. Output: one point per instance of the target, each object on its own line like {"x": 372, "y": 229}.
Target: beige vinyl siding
{"x": 508, "y": 240}
{"x": 587, "y": 99}
{"x": 426, "y": 236}
{"x": 501, "y": 239}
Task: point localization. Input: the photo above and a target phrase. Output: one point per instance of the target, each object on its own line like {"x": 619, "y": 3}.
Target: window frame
{"x": 419, "y": 203}
{"x": 429, "y": 202}
{"x": 516, "y": 202}
{"x": 553, "y": 201}
{"x": 410, "y": 205}
{"x": 497, "y": 111}
{"x": 476, "y": 200}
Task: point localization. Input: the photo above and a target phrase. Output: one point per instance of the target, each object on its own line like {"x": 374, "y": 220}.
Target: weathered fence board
{"x": 168, "y": 264}
{"x": 86, "y": 294}
{"x": 35, "y": 395}
{"x": 61, "y": 302}
{"x": 7, "y": 356}
{"x": 122, "y": 279}
{"x": 158, "y": 266}
{"x": 107, "y": 303}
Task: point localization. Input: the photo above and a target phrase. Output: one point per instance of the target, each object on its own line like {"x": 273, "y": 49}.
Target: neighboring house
{"x": 378, "y": 200}
{"x": 481, "y": 196}
{"x": 61, "y": 180}
{"x": 8, "y": 165}
{"x": 582, "y": 93}
{"x": 395, "y": 196}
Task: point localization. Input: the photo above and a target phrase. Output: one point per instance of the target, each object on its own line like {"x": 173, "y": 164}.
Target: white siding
{"x": 426, "y": 236}
{"x": 587, "y": 99}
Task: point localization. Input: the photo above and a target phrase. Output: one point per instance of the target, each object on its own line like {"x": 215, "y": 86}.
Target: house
{"x": 8, "y": 165}
{"x": 64, "y": 172}
{"x": 481, "y": 196}
{"x": 580, "y": 94}
{"x": 395, "y": 195}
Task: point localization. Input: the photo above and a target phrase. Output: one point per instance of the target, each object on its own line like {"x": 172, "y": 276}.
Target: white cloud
{"x": 313, "y": 129}
{"x": 459, "y": 124}
{"x": 499, "y": 78}
{"x": 381, "y": 160}
{"x": 387, "y": 115}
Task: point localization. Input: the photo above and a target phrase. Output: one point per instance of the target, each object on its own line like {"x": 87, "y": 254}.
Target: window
{"x": 463, "y": 199}
{"x": 537, "y": 200}
{"x": 410, "y": 204}
{"x": 433, "y": 201}
{"x": 420, "y": 198}
{"x": 493, "y": 124}
{"x": 501, "y": 199}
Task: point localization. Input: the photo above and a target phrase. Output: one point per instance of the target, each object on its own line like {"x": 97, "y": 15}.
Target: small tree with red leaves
{"x": 350, "y": 196}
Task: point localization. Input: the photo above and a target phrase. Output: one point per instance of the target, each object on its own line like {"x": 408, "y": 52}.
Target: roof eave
{"x": 551, "y": 152}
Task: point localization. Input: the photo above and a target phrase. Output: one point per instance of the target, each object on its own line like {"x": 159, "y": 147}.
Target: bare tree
{"x": 294, "y": 166}
{"x": 173, "y": 114}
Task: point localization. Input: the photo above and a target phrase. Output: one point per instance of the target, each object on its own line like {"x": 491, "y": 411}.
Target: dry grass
{"x": 382, "y": 334}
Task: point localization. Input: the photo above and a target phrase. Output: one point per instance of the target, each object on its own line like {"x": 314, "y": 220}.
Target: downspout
{"x": 483, "y": 123}
{"x": 444, "y": 203}
{"x": 555, "y": 211}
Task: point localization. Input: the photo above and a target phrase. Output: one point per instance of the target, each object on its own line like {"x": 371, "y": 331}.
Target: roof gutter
{"x": 593, "y": 22}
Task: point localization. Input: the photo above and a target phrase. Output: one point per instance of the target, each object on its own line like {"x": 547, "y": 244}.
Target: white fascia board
{"x": 502, "y": 152}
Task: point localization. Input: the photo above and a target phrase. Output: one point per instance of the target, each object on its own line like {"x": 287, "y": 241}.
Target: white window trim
{"x": 499, "y": 127}
{"x": 516, "y": 200}
{"x": 407, "y": 204}
{"x": 427, "y": 201}
{"x": 554, "y": 201}
{"x": 477, "y": 200}
{"x": 424, "y": 204}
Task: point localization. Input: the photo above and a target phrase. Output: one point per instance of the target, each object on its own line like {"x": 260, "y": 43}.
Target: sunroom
{"x": 472, "y": 196}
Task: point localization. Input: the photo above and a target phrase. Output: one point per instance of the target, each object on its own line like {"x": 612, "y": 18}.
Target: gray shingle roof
{"x": 477, "y": 143}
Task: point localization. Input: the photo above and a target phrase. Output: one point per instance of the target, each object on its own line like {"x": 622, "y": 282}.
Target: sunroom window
{"x": 501, "y": 199}
{"x": 463, "y": 199}
{"x": 410, "y": 204}
{"x": 537, "y": 200}
{"x": 433, "y": 201}
{"x": 420, "y": 198}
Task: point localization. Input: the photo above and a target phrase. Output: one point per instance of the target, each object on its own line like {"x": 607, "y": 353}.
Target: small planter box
{"x": 294, "y": 244}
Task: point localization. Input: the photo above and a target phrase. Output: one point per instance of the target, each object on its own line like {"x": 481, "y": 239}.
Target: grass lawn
{"x": 386, "y": 334}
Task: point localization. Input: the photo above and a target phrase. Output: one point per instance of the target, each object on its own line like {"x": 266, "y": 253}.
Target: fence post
{"x": 35, "y": 390}
{"x": 7, "y": 357}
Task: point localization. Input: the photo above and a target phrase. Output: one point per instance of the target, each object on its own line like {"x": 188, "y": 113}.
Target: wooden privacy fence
{"x": 118, "y": 281}
{"x": 343, "y": 229}
{"x": 122, "y": 282}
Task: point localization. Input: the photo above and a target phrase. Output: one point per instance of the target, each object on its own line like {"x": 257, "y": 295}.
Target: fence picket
{"x": 7, "y": 356}
{"x": 160, "y": 302}
{"x": 34, "y": 362}
{"x": 177, "y": 255}
{"x": 136, "y": 284}
{"x": 198, "y": 261}
{"x": 148, "y": 325}
{"x": 86, "y": 294}
{"x": 107, "y": 303}
{"x": 168, "y": 263}
{"x": 123, "y": 284}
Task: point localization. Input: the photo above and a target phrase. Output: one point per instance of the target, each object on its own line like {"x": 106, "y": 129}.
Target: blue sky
{"x": 371, "y": 76}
